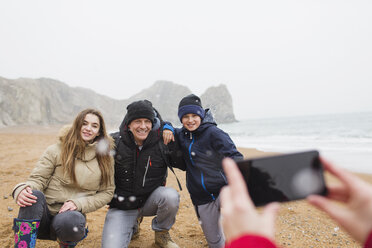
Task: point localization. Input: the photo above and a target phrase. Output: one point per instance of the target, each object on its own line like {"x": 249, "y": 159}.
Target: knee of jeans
{"x": 215, "y": 240}
{"x": 35, "y": 211}
{"x": 69, "y": 226}
{"x": 38, "y": 194}
{"x": 172, "y": 198}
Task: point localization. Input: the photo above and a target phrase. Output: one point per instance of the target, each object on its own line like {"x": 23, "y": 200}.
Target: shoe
{"x": 25, "y": 232}
{"x": 164, "y": 240}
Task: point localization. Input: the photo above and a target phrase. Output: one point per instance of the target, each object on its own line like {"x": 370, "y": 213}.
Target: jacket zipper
{"x": 205, "y": 188}
{"x": 201, "y": 173}
{"x": 147, "y": 168}
{"x": 192, "y": 142}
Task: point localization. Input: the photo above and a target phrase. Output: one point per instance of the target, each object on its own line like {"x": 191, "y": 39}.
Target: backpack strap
{"x": 164, "y": 151}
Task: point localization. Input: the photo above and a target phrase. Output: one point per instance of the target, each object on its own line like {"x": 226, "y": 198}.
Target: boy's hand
{"x": 167, "y": 136}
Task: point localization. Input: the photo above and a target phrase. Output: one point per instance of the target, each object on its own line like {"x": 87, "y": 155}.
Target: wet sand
{"x": 298, "y": 224}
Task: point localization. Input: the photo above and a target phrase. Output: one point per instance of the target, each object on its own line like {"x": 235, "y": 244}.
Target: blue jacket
{"x": 203, "y": 151}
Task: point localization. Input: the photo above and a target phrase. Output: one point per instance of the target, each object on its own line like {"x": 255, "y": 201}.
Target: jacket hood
{"x": 208, "y": 118}
{"x": 123, "y": 128}
{"x": 206, "y": 122}
{"x": 63, "y": 132}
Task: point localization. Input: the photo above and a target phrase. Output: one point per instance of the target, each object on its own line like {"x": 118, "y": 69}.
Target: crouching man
{"x": 140, "y": 176}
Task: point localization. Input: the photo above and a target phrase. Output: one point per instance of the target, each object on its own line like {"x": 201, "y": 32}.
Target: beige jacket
{"x": 48, "y": 177}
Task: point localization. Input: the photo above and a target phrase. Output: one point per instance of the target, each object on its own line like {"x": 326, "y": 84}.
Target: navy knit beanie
{"x": 140, "y": 109}
{"x": 190, "y": 104}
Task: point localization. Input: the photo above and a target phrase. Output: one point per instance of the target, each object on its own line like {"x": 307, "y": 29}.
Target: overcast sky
{"x": 277, "y": 58}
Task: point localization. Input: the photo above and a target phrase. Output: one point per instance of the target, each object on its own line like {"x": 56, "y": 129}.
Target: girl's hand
{"x": 26, "y": 198}
{"x": 68, "y": 206}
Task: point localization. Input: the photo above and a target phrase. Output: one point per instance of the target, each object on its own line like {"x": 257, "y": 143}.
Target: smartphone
{"x": 283, "y": 177}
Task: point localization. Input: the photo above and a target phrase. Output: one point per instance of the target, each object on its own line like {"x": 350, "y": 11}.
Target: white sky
{"x": 277, "y": 58}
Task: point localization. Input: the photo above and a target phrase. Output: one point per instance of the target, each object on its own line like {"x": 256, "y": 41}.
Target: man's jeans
{"x": 163, "y": 203}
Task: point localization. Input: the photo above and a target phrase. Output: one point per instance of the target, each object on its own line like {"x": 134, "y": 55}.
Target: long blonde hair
{"x": 74, "y": 146}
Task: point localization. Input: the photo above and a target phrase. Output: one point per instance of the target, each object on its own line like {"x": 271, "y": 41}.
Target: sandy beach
{"x": 298, "y": 224}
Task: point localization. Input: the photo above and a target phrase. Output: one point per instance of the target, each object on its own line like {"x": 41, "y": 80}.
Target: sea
{"x": 343, "y": 139}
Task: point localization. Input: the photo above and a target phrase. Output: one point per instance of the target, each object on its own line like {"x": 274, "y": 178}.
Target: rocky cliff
{"x": 165, "y": 97}
{"x": 46, "y": 101}
{"x": 219, "y": 100}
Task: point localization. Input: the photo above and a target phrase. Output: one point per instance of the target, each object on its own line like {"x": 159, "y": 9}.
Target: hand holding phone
{"x": 283, "y": 177}
{"x": 239, "y": 215}
{"x": 355, "y": 214}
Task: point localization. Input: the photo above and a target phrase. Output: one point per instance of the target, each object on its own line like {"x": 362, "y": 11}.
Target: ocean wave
{"x": 346, "y": 137}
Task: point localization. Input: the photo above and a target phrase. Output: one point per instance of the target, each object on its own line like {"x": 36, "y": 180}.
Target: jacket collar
{"x": 89, "y": 153}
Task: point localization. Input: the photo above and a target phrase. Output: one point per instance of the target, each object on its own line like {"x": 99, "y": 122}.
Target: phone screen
{"x": 283, "y": 177}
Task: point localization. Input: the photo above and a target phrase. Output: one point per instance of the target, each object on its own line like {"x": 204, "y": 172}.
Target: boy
{"x": 204, "y": 146}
